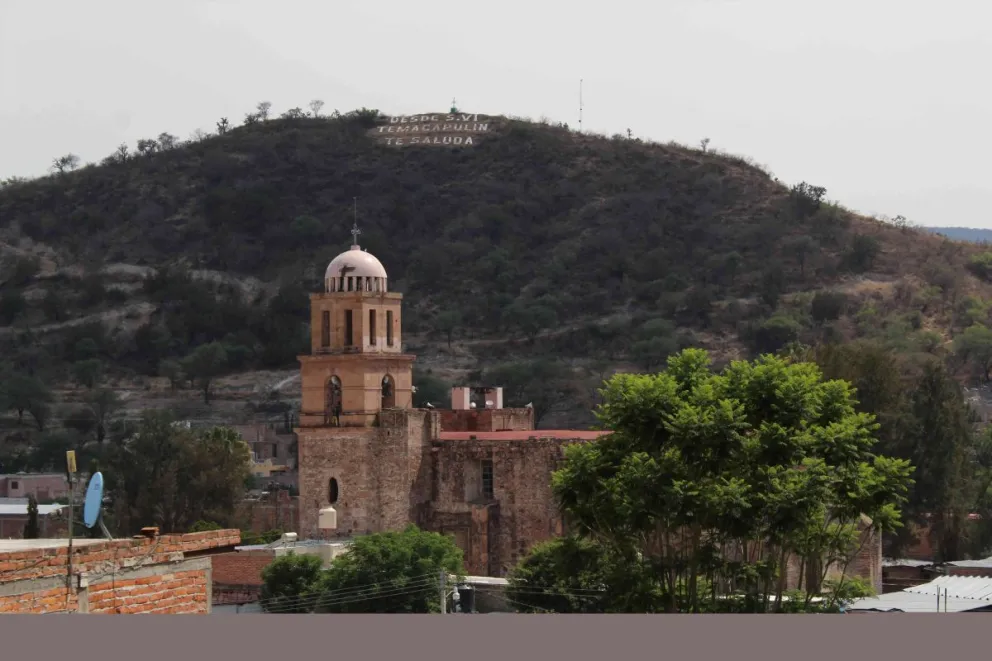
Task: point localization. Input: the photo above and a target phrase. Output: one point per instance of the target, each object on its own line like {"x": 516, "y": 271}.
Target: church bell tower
{"x": 356, "y": 367}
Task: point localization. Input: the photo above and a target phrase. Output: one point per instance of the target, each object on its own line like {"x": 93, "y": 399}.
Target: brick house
{"x": 145, "y": 574}
{"x": 43, "y": 486}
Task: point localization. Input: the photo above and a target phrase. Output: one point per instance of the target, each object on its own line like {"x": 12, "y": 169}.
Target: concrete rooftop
{"x": 19, "y": 545}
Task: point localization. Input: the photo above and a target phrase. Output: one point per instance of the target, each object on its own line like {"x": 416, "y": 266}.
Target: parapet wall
{"x": 139, "y": 575}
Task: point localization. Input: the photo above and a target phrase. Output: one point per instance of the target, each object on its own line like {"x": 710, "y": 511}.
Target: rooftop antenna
{"x": 70, "y": 471}
{"x": 354, "y": 230}
{"x": 580, "y": 105}
{"x": 93, "y": 505}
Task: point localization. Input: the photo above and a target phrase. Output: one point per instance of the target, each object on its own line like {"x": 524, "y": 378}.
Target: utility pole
{"x": 70, "y": 460}
{"x": 444, "y": 592}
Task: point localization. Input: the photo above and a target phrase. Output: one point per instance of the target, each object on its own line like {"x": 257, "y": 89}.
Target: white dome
{"x": 358, "y": 264}
{"x": 355, "y": 270}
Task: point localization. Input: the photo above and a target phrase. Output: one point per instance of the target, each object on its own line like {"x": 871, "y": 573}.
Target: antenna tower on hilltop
{"x": 580, "y": 105}
{"x": 454, "y": 106}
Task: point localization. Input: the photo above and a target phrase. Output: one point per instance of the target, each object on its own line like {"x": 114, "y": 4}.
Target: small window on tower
{"x": 332, "y": 491}
{"x": 389, "y": 328}
{"x": 372, "y": 327}
{"x": 325, "y": 329}
{"x": 487, "y": 478}
{"x": 348, "y": 328}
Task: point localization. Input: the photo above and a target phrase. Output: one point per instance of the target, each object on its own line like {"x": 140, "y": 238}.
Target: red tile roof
{"x": 558, "y": 434}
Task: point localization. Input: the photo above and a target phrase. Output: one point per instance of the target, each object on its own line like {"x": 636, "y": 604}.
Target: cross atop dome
{"x": 354, "y": 230}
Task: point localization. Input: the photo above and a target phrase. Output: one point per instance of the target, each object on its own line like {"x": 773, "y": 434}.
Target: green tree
{"x": 161, "y": 473}
{"x": 291, "y": 583}
{"x": 31, "y": 528}
{"x": 12, "y": 306}
{"x": 390, "y": 572}
{"x": 88, "y": 373}
{"x": 207, "y": 362}
{"x": 765, "y": 456}
{"x": 942, "y": 445}
{"x": 447, "y": 322}
{"x": 573, "y": 574}
{"x": 975, "y": 346}
{"x": 171, "y": 370}
{"x": 26, "y": 393}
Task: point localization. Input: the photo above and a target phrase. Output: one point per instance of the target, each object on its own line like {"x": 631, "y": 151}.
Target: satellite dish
{"x": 94, "y": 500}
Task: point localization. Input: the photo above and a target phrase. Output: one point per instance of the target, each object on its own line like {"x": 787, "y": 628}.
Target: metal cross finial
{"x": 354, "y": 230}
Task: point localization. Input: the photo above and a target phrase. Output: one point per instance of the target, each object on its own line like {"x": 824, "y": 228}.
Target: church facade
{"x": 477, "y": 470}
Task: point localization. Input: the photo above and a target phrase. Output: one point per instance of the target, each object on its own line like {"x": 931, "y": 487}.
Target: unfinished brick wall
{"x": 184, "y": 592}
{"x": 52, "y": 600}
{"x": 138, "y": 575}
{"x": 241, "y": 567}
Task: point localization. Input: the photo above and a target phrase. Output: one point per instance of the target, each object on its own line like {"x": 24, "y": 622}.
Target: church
{"x": 478, "y": 471}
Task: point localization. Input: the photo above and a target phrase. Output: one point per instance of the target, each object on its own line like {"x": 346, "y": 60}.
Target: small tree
{"x": 31, "y": 528}
{"x": 291, "y": 584}
{"x": 390, "y": 572}
{"x": 223, "y": 126}
{"x": 447, "y": 322}
{"x": 66, "y": 163}
{"x": 88, "y": 373}
{"x": 262, "y": 110}
{"x": 147, "y": 146}
{"x": 315, "y": 107}
{"x": 171, "y": 370}
{"x": 206, "y": 363}
{"x": 24, "y": 393}
{"x": 168, "y": 141}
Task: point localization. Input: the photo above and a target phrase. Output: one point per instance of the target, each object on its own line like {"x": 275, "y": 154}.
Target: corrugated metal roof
{"x": 983, "y": 563}
{"x": 905, "y": 562}
{"x": 557, "y": 434}
{"x": 964, "y": 593}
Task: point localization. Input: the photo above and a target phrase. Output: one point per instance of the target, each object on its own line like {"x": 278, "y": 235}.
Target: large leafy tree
{"x": 160, "y": 473}
{"x": 711, "y": 480}
{"x": 390, "y": 572}
{"x": 923, "y": 417}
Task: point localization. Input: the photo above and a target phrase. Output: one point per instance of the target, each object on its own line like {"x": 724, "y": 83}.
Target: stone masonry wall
{"x": 527, "y": 511}
{"x": 382, "y": 472}
{"x": 345, "y": 454}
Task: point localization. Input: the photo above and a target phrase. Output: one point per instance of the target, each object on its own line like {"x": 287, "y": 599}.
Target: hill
{"x": 538, "y": 258}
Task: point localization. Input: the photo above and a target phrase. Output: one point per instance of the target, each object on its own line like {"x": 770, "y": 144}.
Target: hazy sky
{"x": 885, "y": 103}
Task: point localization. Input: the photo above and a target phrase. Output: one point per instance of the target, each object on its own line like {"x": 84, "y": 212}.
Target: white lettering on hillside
{"x": 455, "y": 129}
